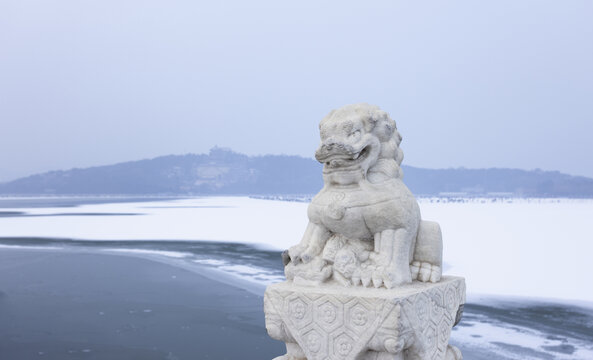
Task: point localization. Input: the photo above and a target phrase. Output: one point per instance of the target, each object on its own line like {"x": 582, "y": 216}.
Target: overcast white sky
{"x": 499, "y": 83}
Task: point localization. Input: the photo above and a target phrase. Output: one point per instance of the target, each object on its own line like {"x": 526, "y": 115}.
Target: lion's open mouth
{"x": 346, "y": 161}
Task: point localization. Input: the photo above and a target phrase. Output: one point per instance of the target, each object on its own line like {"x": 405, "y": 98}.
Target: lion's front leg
{"x": 311, "y": 245}
{"x": 294, "y": 253}
{"x": 428, "y": 253}
{"x": 392, "y": 258}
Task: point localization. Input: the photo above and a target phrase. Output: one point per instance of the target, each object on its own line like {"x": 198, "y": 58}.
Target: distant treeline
{"x": 225, "y": 172}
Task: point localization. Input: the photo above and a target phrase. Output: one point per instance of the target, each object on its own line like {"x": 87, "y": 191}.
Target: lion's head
{"x": 359, "y": 141}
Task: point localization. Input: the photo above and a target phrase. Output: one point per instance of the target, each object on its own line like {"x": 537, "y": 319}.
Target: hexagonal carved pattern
{"x": 349, "y": 324}
{"x": 329, "y": 313}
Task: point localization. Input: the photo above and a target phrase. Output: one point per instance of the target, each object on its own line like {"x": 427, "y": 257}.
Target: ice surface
{"x": 229, "y": 219}
{"x": 535, "y": 248}
{"x": 172, "y": 254}
{"x": 509, "y": 341}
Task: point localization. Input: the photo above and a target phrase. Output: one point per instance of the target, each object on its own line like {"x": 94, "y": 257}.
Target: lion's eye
{"x": 355, "y": 134}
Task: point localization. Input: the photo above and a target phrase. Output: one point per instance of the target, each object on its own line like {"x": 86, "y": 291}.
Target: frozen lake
{"x": 536, "y": 248}
{"x": 524, "y": 260}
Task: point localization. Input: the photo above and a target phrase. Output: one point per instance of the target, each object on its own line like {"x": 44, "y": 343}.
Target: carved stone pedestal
{"x": 413, "y": 321}
{"x": 365, "y": 280}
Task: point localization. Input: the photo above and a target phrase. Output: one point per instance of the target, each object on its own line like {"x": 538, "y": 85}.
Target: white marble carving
{"x": 365, "y": 282}
{"x": 364, "y": 225}
{"x": 412, "y": 322}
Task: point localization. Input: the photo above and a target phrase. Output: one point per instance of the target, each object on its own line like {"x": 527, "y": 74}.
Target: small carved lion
{"x": 364, "y": 225}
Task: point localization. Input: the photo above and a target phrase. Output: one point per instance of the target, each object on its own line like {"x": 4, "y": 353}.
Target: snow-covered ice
{"x": 534, "y": 248}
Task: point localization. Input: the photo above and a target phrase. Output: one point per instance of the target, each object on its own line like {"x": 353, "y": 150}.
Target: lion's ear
{"x": 388, "y": 129}
{"x": 390, "y": 126}
{"x": 399, "y": 157}
{"x": 398, "y": 137}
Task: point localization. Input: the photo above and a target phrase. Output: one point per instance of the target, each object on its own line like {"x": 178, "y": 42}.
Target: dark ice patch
{"x": 562, "y": 349}
{"x": 561, "y": 320}
{"x": 65, "y": 202}
{"x": 11, "y": 213}
{"x": 553, "y": 337}
{"x": 68, "y": 305}
{"x": 231, "y": 253}
{"x": 89, "y": 214}
{"x": 23, "y": 214}
{"x": 522, "y": 352}
{"x": 188, "y": 207}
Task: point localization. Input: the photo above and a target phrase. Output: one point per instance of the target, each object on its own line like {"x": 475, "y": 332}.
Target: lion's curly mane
{"x": 381, "y": 125}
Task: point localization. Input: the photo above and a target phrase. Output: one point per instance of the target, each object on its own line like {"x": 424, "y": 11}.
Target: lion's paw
{"x": 366, "y": 276}
{"x": 299, "y": 253}
{"x": 425, "y": 272}
{"x": 294, "y": 252}
{"x": 378, "y": 276}
{"x": 307, "y": 256}
{"x": 392, "y": 278}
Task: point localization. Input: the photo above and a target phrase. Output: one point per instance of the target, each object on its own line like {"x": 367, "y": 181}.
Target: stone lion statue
{"x": 364, "y": 225}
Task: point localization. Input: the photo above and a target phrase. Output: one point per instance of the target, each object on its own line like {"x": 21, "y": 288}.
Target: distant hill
{"x": 223, "y": 171}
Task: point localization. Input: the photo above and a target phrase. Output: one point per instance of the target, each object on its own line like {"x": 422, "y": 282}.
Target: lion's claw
{"x": 425, "y": 272}
{"x": 294, "y": 253}
{"x": 377, "y": 277}
{"x": 306, "y": 257}
{"x": 298, "y": 252}
{"x": 393, "y": 278}
{"x": 366, "y": 276}
{"x": 356, "y": 277}
{"x": 415, "y": 269}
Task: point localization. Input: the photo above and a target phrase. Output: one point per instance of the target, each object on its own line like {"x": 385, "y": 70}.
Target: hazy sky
{"x": 499, "y": 83}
